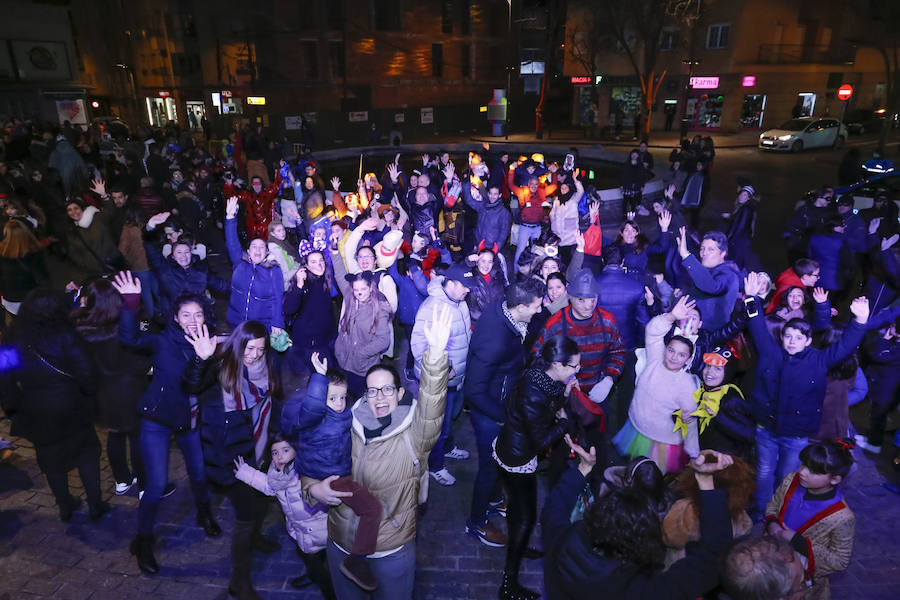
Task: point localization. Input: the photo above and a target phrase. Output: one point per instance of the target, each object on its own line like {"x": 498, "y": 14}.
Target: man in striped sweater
{"x": 602, "y": 351}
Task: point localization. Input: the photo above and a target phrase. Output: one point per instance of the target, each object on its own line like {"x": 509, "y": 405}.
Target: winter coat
{"x": 856, "y": 232}
{"x": 307, "y": 524}
{"x": 131, "y": 245}
{"x": 623, "y": 297}
{"x": 531, "y": 207}
{"x": 321, "y": 435}
{"x": 364, "y": 333}
{"x": 460, "y": 330}
{"x": 834, "y": 258}
{"x": 733, "y": 429}
{"x": 636, "y": 261}
{"x": 572, "y": 569}
{"x": 174, "y": 280}
{"x": 18, "y": 276}
{"x": 392, "y": 465}
{"x": 412, "y": 289}
{"x": 789, "y": 390}
{"x": 493, "y": 219}
{"x": 90, "y": 246}
{"x": 122, "y": 378}
{"x": 483, "y": 293}
{"x": 564, "y": 219}
{"x": 496, "y": 360}
{"x": 50, "y": 394}
{"x": 743, "y": 222}
{"x": 531, "y": 425}
{"x": 256, "y": 290}
{"x": 310, "y": 314}
{"x": 166, "y": 399}
{"x": 715, "y": 290}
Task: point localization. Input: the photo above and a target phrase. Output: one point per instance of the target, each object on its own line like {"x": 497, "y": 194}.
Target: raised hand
{"x": 320, "y": 364}
{"x": 336, "y": 183}
{"x": 888, "y": 242}
{"x": 820, "y": 295}
{"x": 649, "y": 298}
{"x": 874, "y": 224}
{"x": 586, "y": 460}
{"x": 752, "y": 285}
{"x": 579, "y": 240}
{"x": 98, "y": 186}
{"x": 449, "y": 170}
{"x": 437, "y": 332}
{"x": 594, "y": 211}
{"x": 370, "y": 224}
{"x": 705, "y": 465}
{"x": 426, "y": 159}
{"x": 665, "y": 219}
{"x": 204, "y": 346}
{"x": 682, "y": 243}
{"x": 231, "y": 207}
{"x": 157, "y": 219}
{"x": 125, "y": 283}
{"x": 860, "y": 309}
{"x": 393, "y": 172}
{"x": 629, "y": 216}
{"x": 682, "y": 308}
{"x": 301, "y": 276}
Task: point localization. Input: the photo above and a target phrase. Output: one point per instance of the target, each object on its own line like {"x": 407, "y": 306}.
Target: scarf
{"x": 522, "y": 328}
{"x": 376, "y": 427}
{"x": 253, "y": 395}
{"x": 554, "y": 390}
{"x": 708, "y": 402}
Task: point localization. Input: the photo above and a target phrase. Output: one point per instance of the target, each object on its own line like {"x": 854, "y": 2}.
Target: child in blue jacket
{"x": 321, "y": 423}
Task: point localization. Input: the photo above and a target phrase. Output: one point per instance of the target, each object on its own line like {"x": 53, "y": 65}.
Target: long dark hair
{"x": 232, "y": 358}
{"x": 559, "y": 348}
{"x": 640, "y": 241}
{"x": 327, "y": 278}
{"x": 625, "y": 526}
{"x": 209, "y": 314}
{"x": 98, "y": 318}
{"x": 43, "y": 318}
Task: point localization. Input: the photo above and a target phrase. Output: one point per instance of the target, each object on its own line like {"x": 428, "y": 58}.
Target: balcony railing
{"x": 781, "y": 54}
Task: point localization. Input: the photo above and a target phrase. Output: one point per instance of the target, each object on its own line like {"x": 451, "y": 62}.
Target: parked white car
{"x": 806, "y": 132}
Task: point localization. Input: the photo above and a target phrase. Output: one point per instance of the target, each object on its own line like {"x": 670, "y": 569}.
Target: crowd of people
{"x": 666, "y": 390}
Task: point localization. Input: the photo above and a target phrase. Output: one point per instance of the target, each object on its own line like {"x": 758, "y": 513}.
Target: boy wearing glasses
{"x": 322, "y": 426}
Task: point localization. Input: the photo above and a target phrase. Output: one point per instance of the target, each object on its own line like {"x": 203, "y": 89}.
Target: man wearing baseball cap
{"x": 449, "y": 289}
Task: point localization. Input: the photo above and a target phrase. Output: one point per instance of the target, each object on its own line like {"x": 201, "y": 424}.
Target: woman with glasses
{"x": 535, "y": 420}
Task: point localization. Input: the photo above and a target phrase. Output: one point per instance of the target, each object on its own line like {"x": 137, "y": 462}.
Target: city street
{"x": 40, "y": 557}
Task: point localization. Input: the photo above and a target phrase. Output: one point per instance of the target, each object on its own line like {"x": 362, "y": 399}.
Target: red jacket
{"x": 532, "y": 209}
{"x": 260, "y": 207}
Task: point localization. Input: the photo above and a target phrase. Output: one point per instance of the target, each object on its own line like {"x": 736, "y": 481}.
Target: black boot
{"x": 67, "y": 508}
{"x": 511, "y": 590}
{"x": 98, "y": 509}
{"x": 142, "y": 548}
{"x": 262, "y": 543}
{"x": 207, "y": 522}
{"x": 240, "y": 586}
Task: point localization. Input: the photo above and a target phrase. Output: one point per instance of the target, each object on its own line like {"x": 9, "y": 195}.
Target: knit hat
{"x": 751, "y": 191}
{"x": 583, "y": 285}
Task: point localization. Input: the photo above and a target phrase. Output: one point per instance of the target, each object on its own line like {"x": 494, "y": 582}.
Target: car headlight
{"x": 784, "y": 138}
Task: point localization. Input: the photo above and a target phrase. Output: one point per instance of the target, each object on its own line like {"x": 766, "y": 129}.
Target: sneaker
{"x": 487, "y": 534}
{"x": 443, "y": 477}
{"x": 863, "y": 443}
{"x": 457, "y": 453}
{"x": 124, "y": 488}
{"x": 167, "y": 491}
{"x": 497, "y": 508}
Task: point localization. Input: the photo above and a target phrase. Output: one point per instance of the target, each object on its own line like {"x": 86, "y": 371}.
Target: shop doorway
{"x": 196, "y": 110}
{"x": 806, "y": 105}
{"x": 704, "y": 111}
{"x": 752, "y": 110}
{"x": 160, "y": 111}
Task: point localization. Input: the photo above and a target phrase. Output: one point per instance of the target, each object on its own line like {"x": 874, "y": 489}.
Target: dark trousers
{"x": 118, "y": 443}
{"x": 365, "y": 506}
{"x": 445, "y": 440}
{"x": 317, "y": 571}
{"x": 410, "y": 359}
{"x": 88, "y": 464}
{"x": 884, "y": 390}
{"x": 521, "y": 515}
{"x": 485, "y": 488}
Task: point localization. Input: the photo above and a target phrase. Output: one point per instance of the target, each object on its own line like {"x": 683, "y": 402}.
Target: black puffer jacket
{"x": 482, "y": 293}
{"x": 531, "y": 424}
{"x": 174, "y": 279}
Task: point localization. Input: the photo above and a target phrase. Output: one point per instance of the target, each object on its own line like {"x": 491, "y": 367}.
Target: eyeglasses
{"x": 386, "y": 391}
{"x": 576, "y": 367}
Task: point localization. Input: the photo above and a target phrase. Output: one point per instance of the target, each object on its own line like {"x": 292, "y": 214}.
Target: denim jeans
{"x": 396, "y": 574}
{"x": 485, "y": 488}
{"x": 155, "y": 450}
{"x": 776, "y": 456}
{"x": 445, "y": 440}
{"x": 527, "y": 232}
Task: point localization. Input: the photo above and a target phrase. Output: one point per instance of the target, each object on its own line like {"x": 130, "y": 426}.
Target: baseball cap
{"x": 460, "y": 273}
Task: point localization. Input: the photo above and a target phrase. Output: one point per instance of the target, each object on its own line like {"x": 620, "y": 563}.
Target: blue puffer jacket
{"x": 321, "y": 435}
{"x": 496, "y": 360}
{"x": 412, "y": 289}
{"x": 166, "y": 399}
{"x": 623, "y": 297}
{"x": 790, "y": 389}
{"x": 493, "y": 219}
{"x": 256, "y": 290}
{"x": 715, "y": 290}
{"x": 831, "y": 252}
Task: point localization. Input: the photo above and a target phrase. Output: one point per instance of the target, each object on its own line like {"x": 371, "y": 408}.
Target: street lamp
{"x": 508, "y": 66}
{"x": 684, "y": 94}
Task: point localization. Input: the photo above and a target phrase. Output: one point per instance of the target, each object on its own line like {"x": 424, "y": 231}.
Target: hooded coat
{"x": 90, "y": 246}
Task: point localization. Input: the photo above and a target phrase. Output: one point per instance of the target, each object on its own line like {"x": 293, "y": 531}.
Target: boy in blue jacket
{"x": 321, "y": 424}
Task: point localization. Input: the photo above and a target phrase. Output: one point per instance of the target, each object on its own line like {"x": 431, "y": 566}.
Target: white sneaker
{"x": 122, "y": 488}
{"x": 457, "y": 453}
{"x": 863, "y": 443}
{"x": 443, "y": 477}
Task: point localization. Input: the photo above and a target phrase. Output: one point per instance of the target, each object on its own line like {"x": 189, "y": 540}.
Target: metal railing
{"x": 779, "y": 54}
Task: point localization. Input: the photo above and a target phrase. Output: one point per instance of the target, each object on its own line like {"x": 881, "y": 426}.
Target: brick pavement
{"x": 40, "y": 557}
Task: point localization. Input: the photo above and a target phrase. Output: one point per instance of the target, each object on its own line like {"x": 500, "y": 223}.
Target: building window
{"x": 668, "y": 40}
{"x": 437, "y": 60}
{"x": 447, "y": 16}
{"x": 717, "y": 36}
{"x": 387, "y": 15}
{"x": 466, "y": 61}
{"x": 336, "y": 59}
{"x": 465, "y": 10}
{"x": 310, "y": 54}
{"x": 335, "y": 15}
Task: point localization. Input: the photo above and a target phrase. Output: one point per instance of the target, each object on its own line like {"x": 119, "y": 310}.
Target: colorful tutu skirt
{"x": 631, "y": 443}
